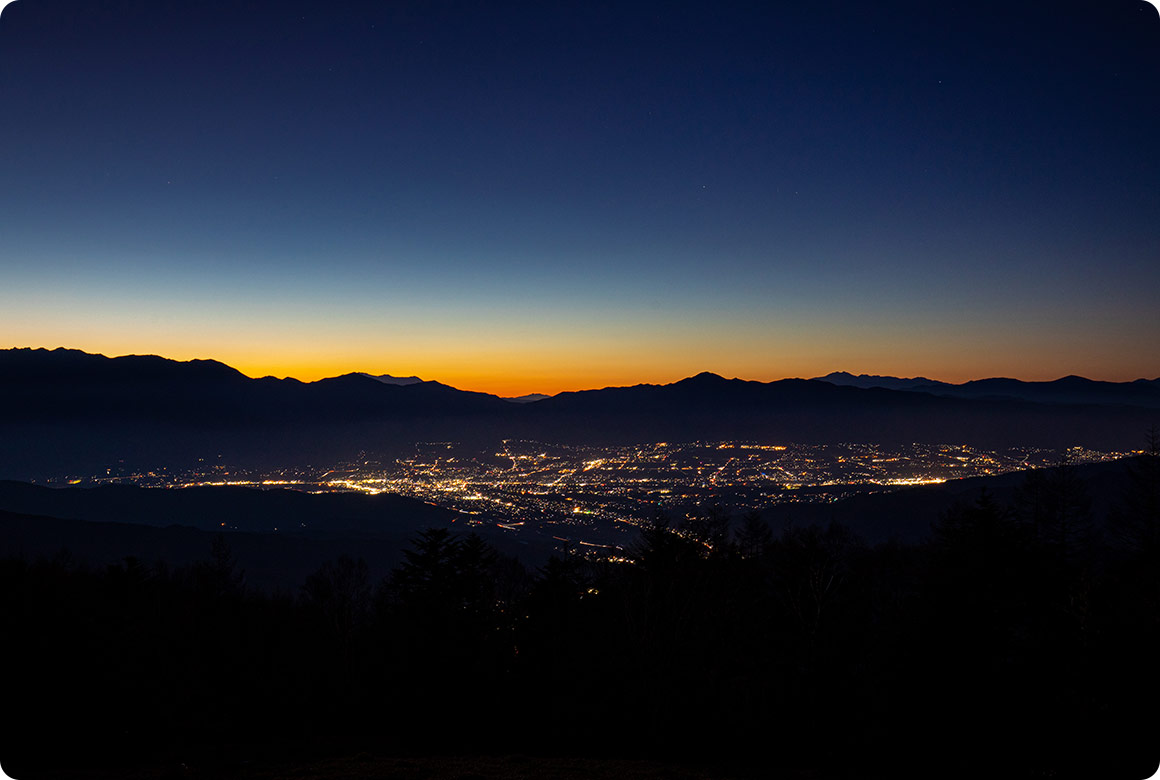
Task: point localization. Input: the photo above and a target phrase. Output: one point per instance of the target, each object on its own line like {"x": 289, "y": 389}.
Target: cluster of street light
{"x": 599, "y": 495}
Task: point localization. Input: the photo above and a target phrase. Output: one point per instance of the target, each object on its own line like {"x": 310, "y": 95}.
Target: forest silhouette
{"x": 1017, "y": 640}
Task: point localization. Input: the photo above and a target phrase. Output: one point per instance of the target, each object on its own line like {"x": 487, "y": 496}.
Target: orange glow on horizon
{"x": 515, "y": 384}
{"x": 579, "y": 366}
{"x": 516, "y": 380}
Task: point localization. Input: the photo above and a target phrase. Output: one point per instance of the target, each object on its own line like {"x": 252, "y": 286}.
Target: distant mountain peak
{"x": 706, "y": 376}
{"x": 866, "y": 381}
{"x": 387, "y": 379}
{"x": 527, "y": 399}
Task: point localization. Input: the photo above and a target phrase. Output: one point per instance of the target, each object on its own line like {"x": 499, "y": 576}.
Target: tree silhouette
{"x": 1066, "y": 529}
{"x": 341, "y": 592}
{"x": 810, "y": 569}
{"x": 754, "y": 537}
{"x": 221, "y": 576}
{"x": 1135, "y": 520}
{"x": 428, "y": 568}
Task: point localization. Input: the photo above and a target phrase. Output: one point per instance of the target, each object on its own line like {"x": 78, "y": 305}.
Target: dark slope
{"x": 231, "y": 508}
{"x": 908, "y": 514}
{"x": 270, "y": 562}
{"x": 103, "y": 525}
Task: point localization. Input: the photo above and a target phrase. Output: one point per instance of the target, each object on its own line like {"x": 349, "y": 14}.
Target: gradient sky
{"x": 533, "y": 197}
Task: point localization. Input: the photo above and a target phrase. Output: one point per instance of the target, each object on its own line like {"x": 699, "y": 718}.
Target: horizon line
{"x": 405, "y": 375}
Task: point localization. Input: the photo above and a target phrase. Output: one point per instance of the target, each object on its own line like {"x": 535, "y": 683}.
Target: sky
{"x": 521, "y": 197}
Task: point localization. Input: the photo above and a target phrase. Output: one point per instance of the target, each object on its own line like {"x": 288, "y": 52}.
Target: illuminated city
{"x": 597, "y": 497}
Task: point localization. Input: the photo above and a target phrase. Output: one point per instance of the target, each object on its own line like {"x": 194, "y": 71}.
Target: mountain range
{"x": 1067, "y": 390}
{"x": 69, "y": 412}
{"x": 387, "y": 379}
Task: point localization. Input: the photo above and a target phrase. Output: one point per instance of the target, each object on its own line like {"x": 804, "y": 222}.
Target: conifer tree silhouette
{"x": 340, "y": 590}
{"x": 1135, "y": 519}
{"x": 754, "y": 537}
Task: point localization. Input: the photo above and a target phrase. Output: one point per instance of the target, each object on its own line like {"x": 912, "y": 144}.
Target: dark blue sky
{"x": 541, "y": 196}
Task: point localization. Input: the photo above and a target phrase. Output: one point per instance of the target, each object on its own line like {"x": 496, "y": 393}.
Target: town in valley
{"x": 594, "y": 499}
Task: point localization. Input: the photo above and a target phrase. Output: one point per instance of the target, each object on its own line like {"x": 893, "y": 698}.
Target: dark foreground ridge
{"x": 1017, "y": 639}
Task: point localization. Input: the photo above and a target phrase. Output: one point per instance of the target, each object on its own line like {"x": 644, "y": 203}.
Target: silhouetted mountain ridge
{"x": 68, "y": 412}
{"x": 387, "y": 379}
{"x": 68, "y": 384}
{"x": 1070, "y": 389}
{"x": 873, "y": 380}
{"x": 526, "y": 399}
{"x": 709, "y": 407}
